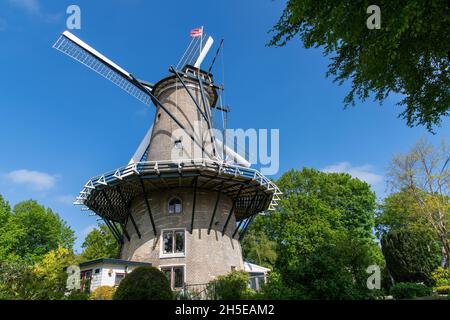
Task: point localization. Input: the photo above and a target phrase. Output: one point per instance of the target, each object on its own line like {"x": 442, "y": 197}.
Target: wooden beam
{"x": 214, "y": 212}
{"x": 124, "y": 231}
{"x": 149, "y": 210}
{"x": 231, "y": 212}
{"x": 193, "y": 204}
{"x": 242, "y": 234}
{"x": 135, "y": 225}
{"x": 237, "y": 228}
{"x": 113, "y": 231}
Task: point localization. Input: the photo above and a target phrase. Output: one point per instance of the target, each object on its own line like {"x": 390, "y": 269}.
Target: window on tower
{"x": 175, "y": 205}
{"x": 175, "y": 275}
{"x": 178, "y": 144}
{"x": 173, "y": 243}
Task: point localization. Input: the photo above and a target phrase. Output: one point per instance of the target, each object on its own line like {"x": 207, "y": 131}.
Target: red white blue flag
{"x": 197, "y": 32}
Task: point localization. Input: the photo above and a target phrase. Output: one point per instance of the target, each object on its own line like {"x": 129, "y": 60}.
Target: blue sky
{"x": 60, "y": 123}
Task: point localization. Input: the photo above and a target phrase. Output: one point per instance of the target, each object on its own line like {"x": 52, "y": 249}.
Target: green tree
{"x": 423, "y": 174}
{"x": 5, "y": 212}
{"x": 409, "y": 244}
{"x": 323, "y": 230}
{"x": 100, "y": 243}
{"x": 407, "y": 56}
{"x": 50, "y": 273}
{"x": 233, "y": 286}
{"x": 411, "y": 256}
{"x": 399, "y": 211}
{"x": 257, "y": 247}
{"x": 17, "y": 281}
{"x": 31, "y": 231}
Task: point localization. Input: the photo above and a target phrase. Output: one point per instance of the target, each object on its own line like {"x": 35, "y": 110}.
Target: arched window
{"x": 175, "y": 205}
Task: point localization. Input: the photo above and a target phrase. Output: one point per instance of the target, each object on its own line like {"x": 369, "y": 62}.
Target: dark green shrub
{"x": 233, "y": 286}
{"x": 376, "y": 294}
{"x": 144, "y": 283}
{"x": 410, "y": 256}
{"x": 407, "y": 290}
{"x": 275, "y": 289}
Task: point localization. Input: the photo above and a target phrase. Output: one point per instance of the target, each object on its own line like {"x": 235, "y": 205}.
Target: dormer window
{"x": 175, "y": 205}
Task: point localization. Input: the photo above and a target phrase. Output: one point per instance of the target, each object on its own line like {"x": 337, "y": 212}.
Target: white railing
{"x": 162, "y": 166}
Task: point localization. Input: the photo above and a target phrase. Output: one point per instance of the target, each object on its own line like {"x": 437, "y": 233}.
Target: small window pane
{"x": 168, "y": 242}
{"x": 175, "y": 205}
{"x": 178, "y": 277}
{"x": 253, "y": 283}
{"x": 179, "y": 241}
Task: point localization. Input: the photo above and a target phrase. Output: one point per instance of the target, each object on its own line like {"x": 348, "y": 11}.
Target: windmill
{"x": 177, "y": 204}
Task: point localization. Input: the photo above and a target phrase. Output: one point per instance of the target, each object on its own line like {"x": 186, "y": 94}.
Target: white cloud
{"x": 32, "y": 7}
{"x": 34, "y": 179}
{"x": 87, "y": 230}
{"x": 364, "y": 172}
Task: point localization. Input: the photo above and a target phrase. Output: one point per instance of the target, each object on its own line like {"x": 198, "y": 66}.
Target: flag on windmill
{"x": 197, "y": 32}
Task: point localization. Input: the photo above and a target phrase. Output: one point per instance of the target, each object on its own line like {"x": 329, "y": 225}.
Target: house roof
{"x": 114, "y": 261}
{"x": 250, "y": 267}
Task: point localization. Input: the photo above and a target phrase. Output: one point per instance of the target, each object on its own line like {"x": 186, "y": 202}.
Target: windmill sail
{"x": 204, "y": 52}
{"x": 75, "y": 48}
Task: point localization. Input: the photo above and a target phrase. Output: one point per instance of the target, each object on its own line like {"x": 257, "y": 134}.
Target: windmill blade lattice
{"x": 96, "y": 63}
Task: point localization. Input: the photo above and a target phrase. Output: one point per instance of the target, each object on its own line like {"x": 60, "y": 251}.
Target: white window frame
{"x": 174, "y": 254}
{"x": 172, "y": 274}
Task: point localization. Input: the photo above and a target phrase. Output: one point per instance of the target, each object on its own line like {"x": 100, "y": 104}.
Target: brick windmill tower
{"x": 177, "y": 204}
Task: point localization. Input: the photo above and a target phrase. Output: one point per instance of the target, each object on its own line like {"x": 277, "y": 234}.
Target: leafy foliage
{"x": 423, "y": 174}
{"x": 399, "y": 211}
{"x": 323, "y": 231}
{"x": 144, "y": 283}
{"x": 102, "y": 293}
{"x": 233, "y": 286}
{"x": 5, "y": 211}
{"x": 410, "y": 256}
{"x": 276, "y": 289}
{"x": 51, "y": 275}
{"x": 99, "y": 243}
{"x": 407, "y": 56}
{"x": 257, "y": 247}
{"x": 17, "y": 281}
{"x": 31, "y": 231}
{"x": 441, "y": 277}
{"x": 443, "y": 289}
{"x": 335, "y": 270}
{"x": 77, "y": 295}
{"x": 407, "y": 290}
